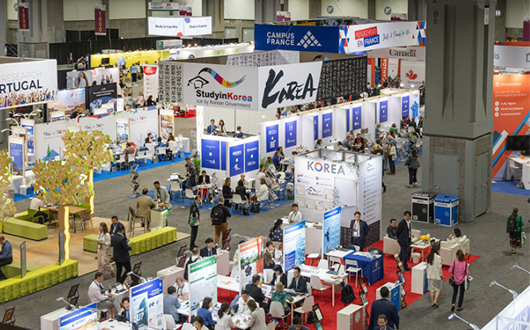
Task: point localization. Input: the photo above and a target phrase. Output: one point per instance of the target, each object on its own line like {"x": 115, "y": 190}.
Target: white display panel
{"x": 147, "y": 304}
{"x": 203, "y": 283}
{"x": 294, "y": 243}
{"x": 250, "y": 260}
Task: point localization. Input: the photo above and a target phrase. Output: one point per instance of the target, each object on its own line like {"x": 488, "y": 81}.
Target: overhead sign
{"x": 271, "y": 138}
{"x": 290, "y": 134}
{"x": 408, "y": 53}
{"x": 27, "y": 82}
{"x": 179, "y": 26}
{"x": 357, "y": 38}
{"x": 298, "y": 38}
{"x": 405, "y": 105}
{"x": 511, "y": 57}
{"x": 341, "y": 78}
{"x": 412, "y": 74}
{"x": 147, "y": 304}
{"x": 357, "y": 117}
{"x": 100, "y": 19}
{"x": 23, "y": 16}
{"x": 164, "y": 6}
{"x": 383, "y": 111}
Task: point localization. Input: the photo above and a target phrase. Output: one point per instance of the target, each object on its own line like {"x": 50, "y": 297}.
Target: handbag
{"x": 255, "y": 208}
{"x": 452, "y": 278}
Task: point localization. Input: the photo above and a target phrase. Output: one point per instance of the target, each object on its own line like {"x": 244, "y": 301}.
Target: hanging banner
{"x": 415, "y": 104}
{"x": 23, "y": 16}
{"x": 331, "y": 230}
{"x": 17, "y": 154}
{"x": 170, "y": 83}
{"x": 252, "y": 156}
{"x": 101, "y": 76}
{"x": 237, "y": 160}
{"x": 327, "y": 125}
{"x": 405, "y": 105}
{"x": 383, "y": 111}
{"x": 151, "y": 81}
{"x": 342, "y": 78}
{"x": 357, "y": 117}
{"x": 27, "y": 82}
{"x": 128, "y": 58}
{"x": 179, "y": 26}
{"x": 164, "y": 6}
{"x": 203, "y": 283}
{"x": 271, "y": 138}
{"x": 511, "y": 57}
{"x": 168, "y": 44}
{"x": 100, "y": 16}
{"x": 315, "y": 127}
{"x": 250, "y": 260}
{"x": 197, "y": 26}
{"x": 412, "y": 74}
{"x": 147, "y": 304}
{"x": 290, "y": 134}
{"x": 294, "y": 245}
{"x": 384, "y": 69}
{"x": 363, "y": 37}
{"x": 297, "y": 38}
{"x": 283, "y": 16}
{"x": 511, "y": 116}
{"x": 69, "y": 102}
{"x": 210, "y": 154}
{"x": 407, "y": 53}
{"x": 83, "y": 318}
{"x": 29, "y": 124}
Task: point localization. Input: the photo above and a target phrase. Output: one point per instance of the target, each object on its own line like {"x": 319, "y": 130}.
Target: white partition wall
{"x": 243, "y": 158}
{"x": 341, "y": 123}
{"x": 307, "y": 134}
{"x": 394, "y": 112}
{"x": 236, "y": 117}
{"x": 382, "y": 111}
{"x": 284, "y": 133}
{"x": 369, "y": 116}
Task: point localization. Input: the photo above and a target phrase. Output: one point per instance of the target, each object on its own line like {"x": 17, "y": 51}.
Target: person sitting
{"x": 221, "y": 129}
{"x": 319, "y": 145}
{"x": 203, "y": 179}
{"x": 295, "y": 216}
{"x": 211, "y": 129}
{"x": 149, "y": 138}
{"x": 36, "y": 204}
{"x": 6, "y": 255}
{"x": 281, "y": 296}
{"x": 254, "y": 290}
{"x": 227, "y": 192}
{"x": 124, "y": 315}
{"x": 359, "y": 142}
{"x": 183, "y": 289}
{"x": 97, "y": 294}
{"x": 192, "y": 259}
{"x": 129, "y": 150}
{"x": 297, "y": 325}
{"x": 238, "y": 133}
{"x": 279, "y": 276}
{"x": 393, "y": 129}
{"x": 391, "y": 231}
{"x": 257, "y": 317}
{"x": 224, "y": 319}
{"x": 263, "y": 193}
{"x": 243, "y": 303}
{"x": 298, "y": 283}
{"x": 209, "y": 250}
{"x": 160, "y": 143}
{"x": 172, "y": 304}
{"x": 276, "y": 160}
{"x": 289, "y": 177}
{"x": 241, "y": 190}
{"x": 456, "y": 236}
{"x": 205, "y": 313}
{"x": 268, "y": 263}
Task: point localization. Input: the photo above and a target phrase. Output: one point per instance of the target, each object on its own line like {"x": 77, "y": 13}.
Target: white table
{"x": 50, "y": 321}
{"x": 118, "y": 297}
{"x": 422, "y": 246}
{"x": 338, "y": 254}
{"x": 307, "y": 271}
{"x": 114, "y": 325}
{"x": 169, "y": 276}
{"x": 227, "y": 283}
{"x": 18, "y": 181}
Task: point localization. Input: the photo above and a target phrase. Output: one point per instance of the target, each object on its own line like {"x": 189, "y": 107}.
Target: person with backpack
{"x": 514, "y": 227}
{"x": 192, "y": 259}
{"x": 219, "y": 216}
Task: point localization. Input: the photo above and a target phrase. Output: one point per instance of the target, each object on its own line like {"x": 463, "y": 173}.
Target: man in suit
{"x": 171, "y": 304}
{"x": 161, "y": 194}
{"x": 382, "y": 323}
{"x": 144, "y": 204}
{"x": 359, "y": 230}
{"x": 96, "y": 293}
{"x": 255, "y": 291}
{"x": 385, "y": 308}
{"x": 211, "y": 129}
{"x": 403, "y": 233}
{"x": 115, "y": 226}
{"x": 121, "y": 255}
{"x": 298, "y": 283}
{"x": 208, "y": 250}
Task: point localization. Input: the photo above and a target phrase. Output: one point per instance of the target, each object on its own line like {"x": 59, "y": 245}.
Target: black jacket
{"x": 363, "y": 230}
{"x": 226, "y": 213}
{"x": 255, "y": 292}
{"x": 283, "y": 279}
{"x": 121, "y": 248}
{"x": 387, "y": 308}
{"x": 192, "y": 259}
{"x": 113, "y": 232}
{"x": 204, "y": 252}
{"x": 205, "y": 179}
{"x": 403, "y": 233}
{"x": 301, "y": 286}
{"x": 194, "y": 211}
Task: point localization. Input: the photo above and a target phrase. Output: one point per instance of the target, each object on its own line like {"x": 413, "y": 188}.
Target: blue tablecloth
{"x": 373, "y": 269}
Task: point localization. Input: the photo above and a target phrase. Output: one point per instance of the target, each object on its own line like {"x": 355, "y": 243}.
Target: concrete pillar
{"x": 266, "y": 9}
{"x": 56, "y": 31}
{"x": 416, "y": 10}
{"x": 500, "y": 22}
{"x": 34, "y": 43}
{"x": 216, "y": 9}
{"x": 3, "y": 26}
{"x": 457, "y": 144}
{"x": 371, "y": 9}
{"x": 315, "y": 8}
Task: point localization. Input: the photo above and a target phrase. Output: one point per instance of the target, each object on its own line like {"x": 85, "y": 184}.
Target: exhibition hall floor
{"x": 487, "y": 235}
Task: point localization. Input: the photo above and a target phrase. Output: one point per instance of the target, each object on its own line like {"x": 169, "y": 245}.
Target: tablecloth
{"x": 373, "y": 269}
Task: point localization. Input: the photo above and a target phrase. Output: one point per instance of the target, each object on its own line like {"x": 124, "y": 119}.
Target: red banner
{"x": 23, "y": 17}
{"x": 100, "y": 19}
{"x": 384, "y": 70}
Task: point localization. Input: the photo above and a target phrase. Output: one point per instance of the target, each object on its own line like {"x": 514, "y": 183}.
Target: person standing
{"x": 115, "y": 226}
{"x": 144, "y": 204}
{"x": 392, "y": 154}
{"x": 193, "y": 220}
{"x": 413, "y": 164}
{"x": 219, "y": 216}
{"x": 384, "y": 307}
{"x": 103, "y": 250}
{"x": 190, "y": 183}
{"x": 208, "y": 250}
{"x": 514, "y": 228}
{"x": 121, "y": 255}
{"x": 211, "y": 129}
{"x": 255, "y": 291}
{"x": 460, "y": 270}
{"x": 6, "y": 255}
{"x": 382, "y": 323}
{"x": 134, "y": 72}
{"x": 404, "y": 235}
{"x": 434, "y": 274}
{"x": 192, "y": 259}
{"x": 359, "y": 230}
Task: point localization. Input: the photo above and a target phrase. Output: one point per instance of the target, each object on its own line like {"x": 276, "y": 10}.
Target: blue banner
{"x": 315, "y": 127}
{"x": 237, "y": 161}
{"x": 294, "y": 245}
{"x": 290, "y": 134}
{"x": 357, "y": 117}
{"x": 327, "y": 125}
{"x": 210, "y": 154}
{"x": 83, "y": 317}
{"x": 30, "y": 138}
{"x": 383, "y": 111}
{"x": 251, "y": 156}
{"x": 405, "y": 106}
{"x": 347, "y": 120}
{"x": 147, "y": 303}
{"x": 271, "y": 138}
{"x": 223, "y": 155}
{"x": 298, "y": 38}
{"x": 331, "y": 230}
{"x": 16, "y": 152}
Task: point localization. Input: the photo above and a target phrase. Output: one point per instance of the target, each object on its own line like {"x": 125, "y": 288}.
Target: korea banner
{"x": 287, "y": 85}
{"x": 357, "y": 38}
{"x": 220, "y": 86}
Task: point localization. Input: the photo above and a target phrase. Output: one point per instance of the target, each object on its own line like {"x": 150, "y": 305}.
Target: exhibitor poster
{"x": 237, "y": 159}
{"x": 16, "y": 152}
{"x": 210, "y": 154}
{"x": 69, "y": 101}
{"x": 83, "y": 318}
{"x": 151, "y": 81}
{"x": 383, "y": 111}
{"x": 252, "y": 156}
{"x": 102, "y": 97}
{"x": 357, "y": 117}
{"x": 294, "y": 245}
{"x": 271, "y": 137}
{"x": 327, "y": 125}
{"x": 405, "y": 105}
{"x": 331, "y": 230}
{"x": 203, "y": 282}
{"x": 370, "y": 177}
{"x": 166, "y": 123}
{"x": 147, "y": 304}
{"x": 250, "y": 260}
{"x": 290, "y": 134}
{"x": 88, "y": 78}
{"x": 29, "y": 124}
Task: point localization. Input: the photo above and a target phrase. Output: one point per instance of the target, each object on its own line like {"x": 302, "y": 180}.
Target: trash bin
{"x": 422, "y": 206}
{"x": 416, "y": 257}
{"x": 446, "y": 210}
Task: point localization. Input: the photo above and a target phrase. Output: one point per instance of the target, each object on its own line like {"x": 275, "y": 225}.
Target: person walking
{"x": 434, "y": 274}
{"x": 413, "y": 164}
{"x": 103, "y": 250}
{"x": 121, "y": 255}
{"x": 460, "y": 270}
{"x": 219, "y": 216}
{"x": 404, "y": 238}
{"x": 193, "y": 220}
{"x": 514, "y": 228}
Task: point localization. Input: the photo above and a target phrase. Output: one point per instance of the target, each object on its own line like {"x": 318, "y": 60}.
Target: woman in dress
{"x": 103, "y": 250}
{"x": 434, "y": 274}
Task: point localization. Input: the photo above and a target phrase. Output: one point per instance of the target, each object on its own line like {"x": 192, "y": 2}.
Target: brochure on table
{"x": 294, "y": 242}
{"x": 203, "y": 283}
{"x": 147, "y": 304}
{"x": 83, "y": 318}
{"x": 250, "y": 261}
{"x": 331, "y": 230}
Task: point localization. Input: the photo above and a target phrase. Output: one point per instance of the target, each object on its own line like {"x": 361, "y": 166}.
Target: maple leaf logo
{"x": 411, "y": 75}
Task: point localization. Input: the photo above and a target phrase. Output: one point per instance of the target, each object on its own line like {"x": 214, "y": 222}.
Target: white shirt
{"x": 106, "y": 240}
{"x": 94, "y": 292}
{"x": 36, "y": 204}
{"x": 295, "y": 217}
{"x": 263, "y": 193}
{"x": 243, "y": 308}
{"x": 181, "y": 291}
{"x": 225, "y": 323}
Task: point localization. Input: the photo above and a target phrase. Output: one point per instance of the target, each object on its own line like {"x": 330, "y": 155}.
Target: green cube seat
{"x": 26, "y": 229}
{"x": 14, "y": 270}
{"x": 90, "y": 243}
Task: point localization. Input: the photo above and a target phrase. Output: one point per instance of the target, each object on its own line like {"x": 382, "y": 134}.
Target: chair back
{"x": 236, "y": 199}
{"x": 131, "y": 211}
{"x": 276, "y": 310}
{"x": 189, "y": 193}
{"x": 227, "y": 234}
{"x": 170, "y": 321}
{"x": 31, "y": 213}
{"x": 308, "y": 304}
{"x": 315, "y": 282}
{"x": 161, "y": 150}
{"x": 182, "y": 250}
{"x": 173, "y": 145}
{"x": 349, "y": 262}
{"x": 323, "y": 264}
{"x": 334, "y": 260}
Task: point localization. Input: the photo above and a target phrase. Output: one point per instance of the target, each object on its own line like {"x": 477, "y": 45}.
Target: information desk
{"x": 169, "y": 276}
{"x": 50, "y": 321}
{"x": 351, "y": 317}
{"x": 307, "y": 271}
{"x": 373, "y": 269}
{"x": 223, "y": 262}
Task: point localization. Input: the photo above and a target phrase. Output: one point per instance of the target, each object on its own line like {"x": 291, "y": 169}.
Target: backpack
{"x": 347, "y": 295}
{"x": 512, "y": 224}
{"x": 217, "y": 215}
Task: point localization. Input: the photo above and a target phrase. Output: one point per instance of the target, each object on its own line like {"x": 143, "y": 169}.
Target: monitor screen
{"x": 518, "y": 143}
{"x": 105, "y": 60}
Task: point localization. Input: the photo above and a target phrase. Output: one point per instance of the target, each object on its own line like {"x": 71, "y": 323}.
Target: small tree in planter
{"x": 7, "y": 206}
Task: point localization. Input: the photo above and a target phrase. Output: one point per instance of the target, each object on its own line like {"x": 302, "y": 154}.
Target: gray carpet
{"x": 487, "y": 235}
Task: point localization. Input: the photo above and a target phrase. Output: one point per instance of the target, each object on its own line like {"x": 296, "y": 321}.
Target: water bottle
{"x": 110, "y": 288}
